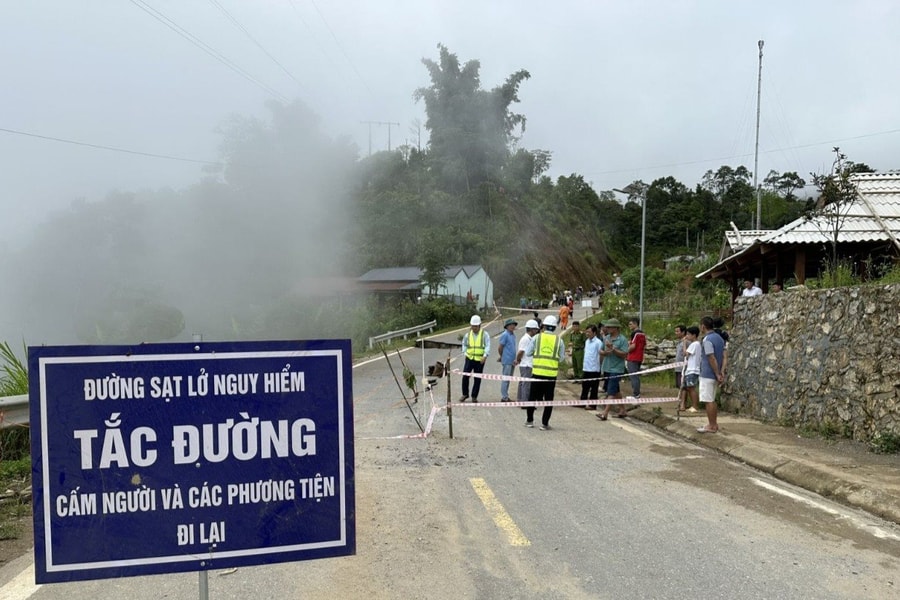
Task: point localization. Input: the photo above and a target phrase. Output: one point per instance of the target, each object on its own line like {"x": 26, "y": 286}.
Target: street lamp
{"x": 639, "y": 189}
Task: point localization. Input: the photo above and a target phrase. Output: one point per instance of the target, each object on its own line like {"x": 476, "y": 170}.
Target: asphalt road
{"x": 586, "y": 510}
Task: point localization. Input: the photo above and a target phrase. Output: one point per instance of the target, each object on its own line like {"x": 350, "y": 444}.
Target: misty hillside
{"x": 232, "y": 256}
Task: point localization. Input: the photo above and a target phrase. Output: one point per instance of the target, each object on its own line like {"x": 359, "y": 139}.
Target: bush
{"x": 840, "y": 275}
{"x": 617, "y": 307}
{"x": 885, "y": 443}
{"x": 410, "y": 313}
{"x": 890, "y": 274}
{"x": 15, "y": 445}
{"x": 13, "y": 373}
{"x": 657, "y": 282}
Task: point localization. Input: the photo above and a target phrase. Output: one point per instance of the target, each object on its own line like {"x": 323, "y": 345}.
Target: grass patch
{"x": 885, "y": 443}
{"x": 826, "y": 430}
{"x": 15, "y": 444}
{"x": 15, "y": 470}
{"x": 15, "y": 481}
{"x": 13, "y": 373}
{"x": 659, "y": 378}
{"x": 785, "y": 421}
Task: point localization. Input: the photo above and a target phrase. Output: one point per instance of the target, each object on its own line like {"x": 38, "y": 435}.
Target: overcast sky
{"x": 618, "y": 90}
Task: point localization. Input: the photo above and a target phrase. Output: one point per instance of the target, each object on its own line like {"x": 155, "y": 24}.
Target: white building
{"x": 462, "y": 283}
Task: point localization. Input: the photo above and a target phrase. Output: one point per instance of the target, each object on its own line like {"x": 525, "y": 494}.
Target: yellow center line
{"x": 498, "y": 513}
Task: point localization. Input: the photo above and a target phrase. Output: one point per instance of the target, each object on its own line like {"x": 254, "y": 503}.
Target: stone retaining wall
{"x": 821, "y": 358}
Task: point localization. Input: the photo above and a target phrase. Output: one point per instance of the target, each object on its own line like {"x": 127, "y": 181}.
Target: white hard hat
{"x": 475, "y": 320}
{"x": 532, "y": 324}
{"x": 550, "y": 321}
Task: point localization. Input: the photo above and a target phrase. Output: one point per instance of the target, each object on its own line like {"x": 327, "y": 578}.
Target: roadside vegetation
{"x": 15, "y": 455}
{"x": 15, "y": 482}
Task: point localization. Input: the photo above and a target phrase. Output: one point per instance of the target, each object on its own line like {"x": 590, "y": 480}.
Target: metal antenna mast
{"x": 761, "y": 43}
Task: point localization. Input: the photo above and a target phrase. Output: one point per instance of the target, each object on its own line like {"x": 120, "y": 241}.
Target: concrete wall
{"x": 822, "y": 358}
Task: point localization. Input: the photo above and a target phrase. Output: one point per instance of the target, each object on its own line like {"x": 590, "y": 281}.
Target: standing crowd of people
{"x": 538, "y": 355}
{"x": 601, "y": 358}
{"x": 701, "y": 350}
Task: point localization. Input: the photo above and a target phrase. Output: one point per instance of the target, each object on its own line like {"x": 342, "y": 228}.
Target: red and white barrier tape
{"x": 495, "y": 377}
{"x": 527, "y": 404}
{"x": 421, "y": 435}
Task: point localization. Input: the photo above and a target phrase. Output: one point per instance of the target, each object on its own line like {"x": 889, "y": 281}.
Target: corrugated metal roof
{"x": 413, "y": 273}
{"x": 876, "y": 182}
{"x": 392, "y": 274}
{"x": 741, "y": 239}
{"x": 855, "y": 220}
{"x": 877, "y": 193}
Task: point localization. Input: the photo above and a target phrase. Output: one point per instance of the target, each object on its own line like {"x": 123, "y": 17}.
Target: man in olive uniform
{"x": 576, "y": 343}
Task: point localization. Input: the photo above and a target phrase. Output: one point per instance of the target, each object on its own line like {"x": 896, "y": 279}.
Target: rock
{"x": 829, "y": 356}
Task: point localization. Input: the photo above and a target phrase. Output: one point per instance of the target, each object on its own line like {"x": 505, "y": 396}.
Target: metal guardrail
{"x": 401, "y": 332}
{"x": 14, "y": 410}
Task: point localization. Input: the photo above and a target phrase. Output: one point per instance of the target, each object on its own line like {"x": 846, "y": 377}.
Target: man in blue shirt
{"x": 507, "y": 349}
{"x": 711, "y": 363}
{"x": 590, "y": 386}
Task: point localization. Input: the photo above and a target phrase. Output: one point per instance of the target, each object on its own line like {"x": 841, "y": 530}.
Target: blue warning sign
{"x": 182, "y": 457}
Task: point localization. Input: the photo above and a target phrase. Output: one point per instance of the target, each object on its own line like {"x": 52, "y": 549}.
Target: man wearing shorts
{"x": 713, "y": 355}
{"x": 690, "y": 379}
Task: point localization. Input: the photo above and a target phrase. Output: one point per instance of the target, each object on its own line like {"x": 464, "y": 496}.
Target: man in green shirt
{"x": 613, "y": 353}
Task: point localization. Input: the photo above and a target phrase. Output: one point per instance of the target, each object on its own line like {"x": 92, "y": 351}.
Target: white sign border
{"x": 216, "y": 355}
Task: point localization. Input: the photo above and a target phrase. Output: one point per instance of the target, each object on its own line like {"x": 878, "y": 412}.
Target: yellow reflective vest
{"x": 546, "y": 355}
{"x": 475, "y": 345}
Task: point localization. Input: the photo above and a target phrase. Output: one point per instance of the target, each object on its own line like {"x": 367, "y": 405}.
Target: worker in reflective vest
{"x": 476, "y": 346}
{"x": 548, "y": 350}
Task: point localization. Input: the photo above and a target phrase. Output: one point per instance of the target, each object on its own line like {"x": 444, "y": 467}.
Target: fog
{"x": 148, "y": 174}
{"x": 215, "y": 257}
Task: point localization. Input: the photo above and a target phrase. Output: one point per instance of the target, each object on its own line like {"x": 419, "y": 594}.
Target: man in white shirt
{"x": 525, "y": 362}
{"x": 690, "y": 377}
{"x": 750, "y": 289}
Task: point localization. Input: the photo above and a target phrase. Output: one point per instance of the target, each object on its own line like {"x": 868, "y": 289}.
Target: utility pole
{"x": 388, "y": 123}
{"x": 638, "y": 189}
{"x": 760, "y": 43}
{"x": 417, "y": 128}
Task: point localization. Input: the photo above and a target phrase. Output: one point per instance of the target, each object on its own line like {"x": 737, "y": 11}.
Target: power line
{"x": 707, "y": 160}
{"x": 312, "y": 34}
{"x": 111, "y": 148}
{"x": 341, "y": 48}
{"x": 162, "y": 18}
{"x": 388, "y": 123}
{"x": 252, "y": 39}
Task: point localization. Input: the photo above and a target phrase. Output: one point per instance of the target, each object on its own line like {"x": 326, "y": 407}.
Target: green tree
{"x": 524, "y": 169}
{"x": 470, "y": 129}
{"x": 784, "y": 183}
{"x": 732, "y": 189}
{"x": 432, "y": 260}
{"x": 836, "y": 196}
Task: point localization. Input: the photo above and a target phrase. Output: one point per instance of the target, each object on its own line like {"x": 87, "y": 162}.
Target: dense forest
{"x": 253, "y": 249}
{"x": 473, "y": 195}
